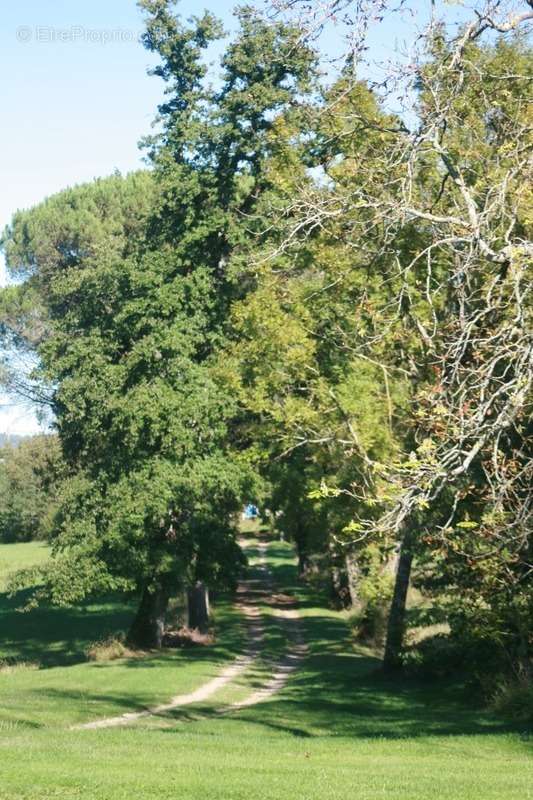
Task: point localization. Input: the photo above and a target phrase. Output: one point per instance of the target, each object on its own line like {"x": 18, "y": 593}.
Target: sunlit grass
{"x": 21, "y": 556}
{"x": 338, "y": 729}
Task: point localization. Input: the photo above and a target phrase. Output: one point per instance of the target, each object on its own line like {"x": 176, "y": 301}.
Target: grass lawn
{"x": 339, "y": 729}
{"x": 20, "y": 556}
{"x": 47, "y": 680}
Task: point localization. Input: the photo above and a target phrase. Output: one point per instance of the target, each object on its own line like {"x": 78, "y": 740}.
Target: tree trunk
{"x": 303, "y": 564}
{"x": 149, "y": 624}
{"x": 396, "y": 623}
{"x": 198, "y": 606}
{"x": 300, "y": 540}
{"x": 353, "y": 574}
{"x": 339, "y": 587}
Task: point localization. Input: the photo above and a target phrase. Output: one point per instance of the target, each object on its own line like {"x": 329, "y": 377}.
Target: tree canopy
{"x": 308, "y": 299}
{"x": 134, "y": 279}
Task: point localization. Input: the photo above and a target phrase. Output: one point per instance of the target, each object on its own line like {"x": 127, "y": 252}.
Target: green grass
{"x": 339, "y": 729}
{"x": 20, "y": 556}
{"x": 47, "y": 680}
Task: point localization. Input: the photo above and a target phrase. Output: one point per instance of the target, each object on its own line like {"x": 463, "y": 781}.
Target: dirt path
{"x": 250, "y": 593}
{"x": 285, "y": 608}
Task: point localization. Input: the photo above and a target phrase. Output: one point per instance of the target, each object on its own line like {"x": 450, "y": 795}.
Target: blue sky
{"x": 72, "y": 110}
{"x": 76, "y": 99}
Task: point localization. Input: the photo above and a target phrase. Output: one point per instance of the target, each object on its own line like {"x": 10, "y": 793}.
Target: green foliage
{"x": 374, "y": 593}
{"x": 514, "y": 699}
{"x": 30, "y": 480}
{"x": 293, "y": 305}
{"x": 486, "y": 596}
{"x": 347, "y": 347}
{"x": 133, "y": 274}
{"x": 105, "y": 218}
{"x": 406, "y": 738}
{"x": 324, "y": 415}
{"x": 46, "y": 246}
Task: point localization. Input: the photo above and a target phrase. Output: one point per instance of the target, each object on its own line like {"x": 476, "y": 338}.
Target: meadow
{"x": 337, "y": 729}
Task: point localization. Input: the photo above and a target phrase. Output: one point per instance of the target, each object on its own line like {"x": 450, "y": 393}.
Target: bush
{"x": 484, "y": 662}
{"x": 375, "y": 593}
{"x": 10, "y": 665}
{"x": 513, "y": 698}
{"x": 109, "y": 650}
{"x": 435, "y": 657}
{"x": 370, "y": 623}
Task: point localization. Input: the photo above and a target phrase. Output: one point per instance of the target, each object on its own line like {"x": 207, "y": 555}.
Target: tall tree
{"x": 449, "y": 212}
{"x": 30, "y": 478}
{"x": 145, "y": 422}
{"x": 326, "y": 408}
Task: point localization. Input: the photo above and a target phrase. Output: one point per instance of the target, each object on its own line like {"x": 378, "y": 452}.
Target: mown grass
{"x": 339, "y": 729}
{"x": 19, "y": 556}
{"x": 46, "y": 679}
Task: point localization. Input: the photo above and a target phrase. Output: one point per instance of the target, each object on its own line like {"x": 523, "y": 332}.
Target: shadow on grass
{"x": 52, "y": 637}
{"x": 341, "y": 691}
{"x": 58, "y": 636}
{"x": 340, "y": 694}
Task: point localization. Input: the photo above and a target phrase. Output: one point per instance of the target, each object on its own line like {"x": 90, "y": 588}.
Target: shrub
{"x": 513, "y": 698}
{"x": 9, "y": 665}
{"x": 370, "y": 623}
{"x": 375, "y": 592}
{"x": 435, "y": 657}
{"x": 110, "y": 649}
{"x": 187, "y": 637}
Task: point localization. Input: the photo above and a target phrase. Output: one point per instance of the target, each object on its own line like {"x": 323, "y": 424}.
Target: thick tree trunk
{"x": 300, "y": 540}
{"x": 353, "y": 574}
{"x": 148, "y": 627}
{"x": 198, "y": 606}
{"x": 396, "y": 622}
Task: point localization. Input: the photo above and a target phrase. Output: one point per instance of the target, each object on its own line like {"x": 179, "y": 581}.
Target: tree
{"x": 30, "y": 478}
{"x": 107, "y": 217}
{"x": 324, "y": 409}
{"x": 447, "y": 209}
{"x": 145, "y": 423}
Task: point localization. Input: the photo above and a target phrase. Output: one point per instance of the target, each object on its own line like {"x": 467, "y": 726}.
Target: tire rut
{"x": 250, "y": 593}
